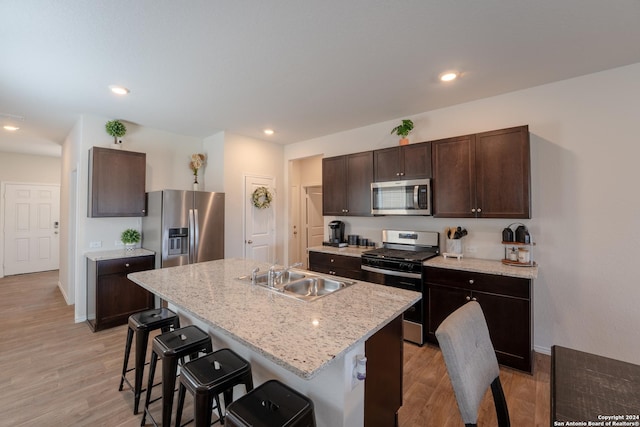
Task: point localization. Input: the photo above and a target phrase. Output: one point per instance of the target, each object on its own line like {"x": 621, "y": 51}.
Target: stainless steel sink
{"x": 303, "y": 286}
{"x": 314, "y": 286}
{"x": 284, "y": 278}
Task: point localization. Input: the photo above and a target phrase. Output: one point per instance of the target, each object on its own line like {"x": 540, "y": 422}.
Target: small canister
{"x": 523, "y": 256}
{"x": 513, "y": 254}
{"x": 352, "y": 239}
{"x": 364, "y": 242}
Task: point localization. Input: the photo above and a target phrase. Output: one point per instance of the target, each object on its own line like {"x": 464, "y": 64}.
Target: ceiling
{"x": 304, "y": 68}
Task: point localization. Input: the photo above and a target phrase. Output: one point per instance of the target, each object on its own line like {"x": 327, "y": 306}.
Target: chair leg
{"x": 501, "y": 403}
{"x": 181, "y": 393}
{"x": 152, "y": 371}
{"x": 127, "y": 350}
{"x": 202, "y": 410}
{"x": 169, "y": 369}
{"x": 142, "y": 338}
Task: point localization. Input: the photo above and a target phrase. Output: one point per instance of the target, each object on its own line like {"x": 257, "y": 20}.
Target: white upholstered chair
{"x": 471, "y": 362}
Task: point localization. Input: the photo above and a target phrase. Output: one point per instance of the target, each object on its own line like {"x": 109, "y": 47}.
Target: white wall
{"x": 247, "y": 156}
{"x": 167, "y": 166}
{"x": 25, "y": 169}
{"x": 586, "y": 212}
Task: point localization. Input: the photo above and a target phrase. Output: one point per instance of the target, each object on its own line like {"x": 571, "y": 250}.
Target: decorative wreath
{"x": 261, "y": 198}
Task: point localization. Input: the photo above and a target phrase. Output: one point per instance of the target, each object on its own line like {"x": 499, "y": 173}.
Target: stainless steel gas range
{"x": 399, "y": 264}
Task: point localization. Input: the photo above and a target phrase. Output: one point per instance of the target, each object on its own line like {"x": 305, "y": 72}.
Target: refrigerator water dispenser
{"x": 178, "y": 241}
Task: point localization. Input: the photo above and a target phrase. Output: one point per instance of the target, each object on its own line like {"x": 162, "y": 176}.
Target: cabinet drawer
{"x": 503, "y": 285}
{"x": 125, "y": 265}
{"x": 334, "y": 261}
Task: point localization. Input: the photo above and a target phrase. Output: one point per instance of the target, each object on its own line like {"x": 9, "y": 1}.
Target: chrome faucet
{"x": 273, "y": 275}
{"x": 254, "y": 274}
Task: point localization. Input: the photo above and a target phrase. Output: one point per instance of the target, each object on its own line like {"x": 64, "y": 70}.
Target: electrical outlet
{"x": 472, "y": 249}
{"x": 96, "y": 244}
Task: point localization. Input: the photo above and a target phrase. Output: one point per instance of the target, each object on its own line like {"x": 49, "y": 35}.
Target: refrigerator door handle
{"x": 196, "y": 243}
{"x": 192, "y": 237}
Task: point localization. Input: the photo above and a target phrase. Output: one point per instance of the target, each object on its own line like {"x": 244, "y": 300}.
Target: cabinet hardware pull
{"x": 479, "y": 209}
{"x": 468, "y": 298}
{"x": 474, "y": 299}
{"x": 473, "y": 210}
{"x": 126, "y": 265}
{"x": 471, "y": 281}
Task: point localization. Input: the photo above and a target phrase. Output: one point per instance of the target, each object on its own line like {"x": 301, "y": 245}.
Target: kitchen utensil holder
{"x": 453, "y": 248}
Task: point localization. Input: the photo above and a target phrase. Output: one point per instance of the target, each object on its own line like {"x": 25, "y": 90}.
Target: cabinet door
{"x": 116, "y": 183}
{"x": 334, "y": 181}
{"x": 416, "y": 160}
{"x": 386, "y": 164}
{"x": 443, "y": 301}
{"x": 383, "y": 387}
{"x": 503, "y": 173}
{"x": 454, "y": 177}
{"x": 359, "y": 179}
{"x": 509, "y": 325}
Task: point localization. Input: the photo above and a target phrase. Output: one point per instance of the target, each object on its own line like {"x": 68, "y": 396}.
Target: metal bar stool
{"x": 209, "y": 376}
{"x": 142, "y": 324}
{"x": 171, "y": 347}
{"x": 271, "y": 404}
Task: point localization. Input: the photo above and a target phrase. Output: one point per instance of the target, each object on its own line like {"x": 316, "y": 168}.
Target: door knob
{"x": 249, "y": 241}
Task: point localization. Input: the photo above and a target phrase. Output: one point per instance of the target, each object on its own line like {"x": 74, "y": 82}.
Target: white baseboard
{"x": 64, "y": 294}
{"x": 543, "y": 350}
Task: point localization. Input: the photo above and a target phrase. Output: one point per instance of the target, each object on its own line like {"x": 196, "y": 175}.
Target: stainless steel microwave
{"x": 410, "y": 197}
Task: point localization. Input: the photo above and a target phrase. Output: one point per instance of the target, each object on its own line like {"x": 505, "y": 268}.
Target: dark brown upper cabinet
{"x": 346, "y": 184}
{"x": 484, "y": 175}
{"x": 116, "y": 183}
{"x": 411, "y": 161}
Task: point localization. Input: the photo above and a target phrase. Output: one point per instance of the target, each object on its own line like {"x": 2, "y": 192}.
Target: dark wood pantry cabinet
{"x": 506, "y": 302}
{"x": 111, "y": 297}
{"x": 116, "y": 183}
{"x": 411, "y": 161}
{"x": 483, "y": 175}
{"x": 346, "y": 184}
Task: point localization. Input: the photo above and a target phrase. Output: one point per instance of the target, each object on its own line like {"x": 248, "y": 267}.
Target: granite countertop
{"x": 302, "y": 337}
{"x": 117, "y": 254}
{"x": 348, "y": 251}
{"x": 477, "y": 265}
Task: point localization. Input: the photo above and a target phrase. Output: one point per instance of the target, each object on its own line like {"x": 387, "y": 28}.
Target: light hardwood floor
{"x": 54, "y": 372}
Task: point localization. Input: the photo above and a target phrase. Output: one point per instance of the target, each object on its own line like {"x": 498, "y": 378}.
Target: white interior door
{"x": 314, "y": 218}
{"x": 260, "y": 224}
{"x": 294, "y": 225}
{"x": 32, "y": 226}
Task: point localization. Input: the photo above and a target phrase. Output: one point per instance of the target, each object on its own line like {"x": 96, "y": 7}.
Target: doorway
{"x": 259, "y": 222}
{"x": 32, "y": 228}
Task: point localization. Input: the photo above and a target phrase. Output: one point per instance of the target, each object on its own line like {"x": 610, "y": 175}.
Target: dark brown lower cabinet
{"x": 338, "y": 265}
{"x": 383, "y": 385}
{"x": 505, "y": 302}
{"x": 111, "y": 297}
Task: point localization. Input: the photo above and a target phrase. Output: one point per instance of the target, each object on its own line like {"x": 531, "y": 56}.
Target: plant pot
{"x": 129, "y": 246}
{"x": 404, "y": 141}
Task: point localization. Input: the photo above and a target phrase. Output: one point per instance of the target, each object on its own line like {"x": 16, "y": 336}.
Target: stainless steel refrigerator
{"x": 184, "y": 227}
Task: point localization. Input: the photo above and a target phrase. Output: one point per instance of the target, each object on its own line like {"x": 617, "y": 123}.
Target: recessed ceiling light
{"x": 269, "y": 132}
{"x": 11, "y": 128}
{"x": 119, "y": 90}
{"x": 448, "y": 76}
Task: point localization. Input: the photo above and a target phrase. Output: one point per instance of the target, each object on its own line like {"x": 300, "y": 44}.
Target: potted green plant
{"x": 403, "y": 131}
{"x": 116, "y": 129}
{"x": 130, "y": 238}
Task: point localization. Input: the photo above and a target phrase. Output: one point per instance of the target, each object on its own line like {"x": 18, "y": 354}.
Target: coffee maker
{"x": 336, "y": 234}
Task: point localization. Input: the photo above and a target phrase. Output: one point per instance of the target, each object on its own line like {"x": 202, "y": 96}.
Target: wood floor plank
{"x": 54, "y": 372}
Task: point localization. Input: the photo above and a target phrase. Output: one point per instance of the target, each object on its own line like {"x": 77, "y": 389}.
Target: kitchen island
{"x": 311, "y": 346}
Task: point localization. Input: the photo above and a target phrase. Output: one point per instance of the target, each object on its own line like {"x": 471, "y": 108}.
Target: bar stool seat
{"x": 271, "y": 404}
{"x": 209, "y": 376}
{"x": 142, "y": 324}
{"x": 172, "y": 347}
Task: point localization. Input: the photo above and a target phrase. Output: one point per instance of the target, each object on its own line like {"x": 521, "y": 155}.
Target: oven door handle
{"x": 391, "y": 273}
